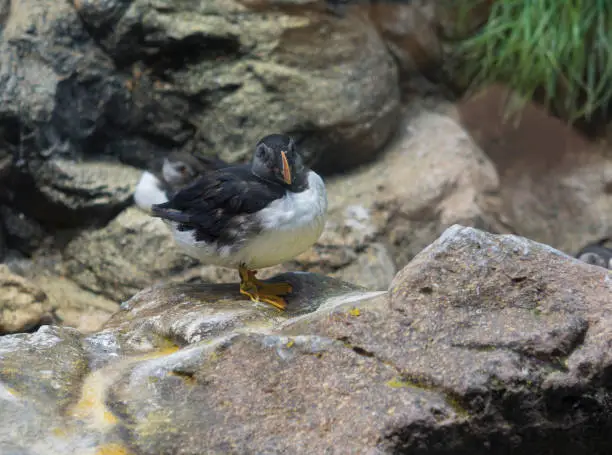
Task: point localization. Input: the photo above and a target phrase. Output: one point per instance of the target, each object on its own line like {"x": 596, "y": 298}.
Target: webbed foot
{"x": 260, "y": 291}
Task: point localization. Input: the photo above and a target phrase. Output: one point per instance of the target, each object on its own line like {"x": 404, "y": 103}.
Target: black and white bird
{"x": 597, "y": 254}
{"x": 251, "y": 216}
{"x": 165, "y": 177}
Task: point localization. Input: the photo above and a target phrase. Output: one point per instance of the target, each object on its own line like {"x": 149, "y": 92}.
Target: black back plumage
{"x": 218, "y": 205}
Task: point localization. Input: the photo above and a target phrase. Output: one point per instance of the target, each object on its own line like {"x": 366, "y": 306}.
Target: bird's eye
{"x": 183, "y": 169}
{"x": 260, "y": 153}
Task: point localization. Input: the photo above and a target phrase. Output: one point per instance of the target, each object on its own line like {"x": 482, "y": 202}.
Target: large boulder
{"x": 234, "y": 69}
{"x": 60, "y": 95}
{"x": 483, "y": 344}
{"x": 184, "y": 314}
{"x": 90, "y": 81}
{"x": 40, "y": 376}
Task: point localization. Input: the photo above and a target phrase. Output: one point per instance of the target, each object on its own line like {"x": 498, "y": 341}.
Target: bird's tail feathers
{"x": 167, "y": 213}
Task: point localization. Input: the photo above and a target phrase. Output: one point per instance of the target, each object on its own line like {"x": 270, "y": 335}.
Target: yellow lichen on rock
{"x": 112, "y": 449}
{"x": 91, "y": 405}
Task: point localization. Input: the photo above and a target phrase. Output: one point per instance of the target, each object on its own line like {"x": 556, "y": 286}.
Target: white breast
{"x": 291, "y": 225}
{"x": 149, "y": 192}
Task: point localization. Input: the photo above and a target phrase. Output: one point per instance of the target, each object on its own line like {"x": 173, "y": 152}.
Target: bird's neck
{"x": 300, "y": 183}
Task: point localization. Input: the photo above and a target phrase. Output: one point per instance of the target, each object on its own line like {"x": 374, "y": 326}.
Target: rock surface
{"x": 127, "y": 255}
{"x": 135, "y": 80}
{"x": 433, "y": 176}
{"x": 60, "y": 95}
{"x": 32, "y": 295}
{"x": 555, "y": 184}
{"x": 64, "y": 193}
{"x": 483, "y": 344}
{"x": 409, "y": 30}
{"x": 2, "y": 240}
{"x": 184, "y": 314}
{"x": 74, "y": 306}
{"x": 23, "y": 306}
{"x": 22, "y": 233}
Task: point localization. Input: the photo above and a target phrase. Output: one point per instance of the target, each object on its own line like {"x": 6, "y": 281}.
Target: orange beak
{"x": 286, "y": 170}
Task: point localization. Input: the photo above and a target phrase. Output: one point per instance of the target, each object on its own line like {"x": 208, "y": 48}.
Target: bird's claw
{"x": 260, "y": 291}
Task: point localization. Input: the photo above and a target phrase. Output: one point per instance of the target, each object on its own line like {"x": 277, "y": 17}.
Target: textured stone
{"x": 554, "y": 183}
{"x": 130, "y": 253}
{"x": 22, "y": 233}
{"x": 433, "y": 175}
{"x": 410, "y": 33}
{"x": 63, "y": 193}
{"x": 483, "y": 344}
{"x": 40, "y": 376}
{"x": 135, "y": 80}
{"x": 23, "y": 306}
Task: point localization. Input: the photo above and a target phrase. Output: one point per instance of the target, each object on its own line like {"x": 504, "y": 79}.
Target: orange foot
{"x": 259, "y": 291}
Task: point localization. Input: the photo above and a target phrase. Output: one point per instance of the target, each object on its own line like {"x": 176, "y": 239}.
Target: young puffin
{"x": 251, "y": 216}
{"x": 166, "y": 177}
{"x": 596, "y": 253}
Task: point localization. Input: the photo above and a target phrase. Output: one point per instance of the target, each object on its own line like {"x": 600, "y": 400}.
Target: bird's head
{"x": 178, "y": 170}
{"x": 277, "y": 159}
{"x": 181, "y": 167}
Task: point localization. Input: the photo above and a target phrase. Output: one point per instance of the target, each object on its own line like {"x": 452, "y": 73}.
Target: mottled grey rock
{"x": 21, "y": 232}
{"x": 132, "y": 252}
{"x": 483, "y": 344}
{"x": 70, "y": 399}
{"x": 64, "y": 193}
{"x": 61, "y": 95}
{"x": 135, "y": 80}
{"x": 236, "y": 69}
{"x": 189, "y": 313}
{"x": 513, "y": 333}
{"x": 40, "y": 376}
{"x": 23, "y": 306}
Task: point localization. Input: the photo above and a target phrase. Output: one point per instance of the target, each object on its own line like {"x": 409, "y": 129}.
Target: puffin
{"x": 251, "y": 216}
{"x": 167, "y": 176}
{"x": 597, "y": 254}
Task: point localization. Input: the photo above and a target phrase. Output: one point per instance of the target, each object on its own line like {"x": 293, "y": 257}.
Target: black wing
{"x": 217, "y": 204}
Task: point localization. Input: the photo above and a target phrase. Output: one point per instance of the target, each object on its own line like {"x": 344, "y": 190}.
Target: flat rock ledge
{"x": 482, "y": 344}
